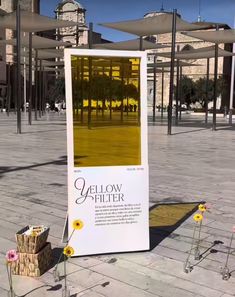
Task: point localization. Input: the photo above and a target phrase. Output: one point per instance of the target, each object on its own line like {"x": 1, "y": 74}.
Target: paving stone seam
{"x": 168, "y": 273}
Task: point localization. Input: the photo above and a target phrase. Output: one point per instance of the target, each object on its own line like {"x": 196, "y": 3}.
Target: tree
{"x": 187, "y": 90}
{"x": 195, "y": 91}
{"x": 130, "y": 91}
{"x": 200, "y": 91}
{"x": 57, "y": 91}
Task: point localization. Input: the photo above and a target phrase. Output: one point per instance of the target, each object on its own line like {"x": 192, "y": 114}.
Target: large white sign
{"x": 107, "y": 151}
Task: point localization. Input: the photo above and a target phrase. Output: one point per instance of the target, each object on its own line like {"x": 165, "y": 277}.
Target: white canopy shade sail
{"x": 199, "y": 53}
{"x": 37, "y": 42}
{"x": 50, "y": 54}
{"x": 52, "y": 63}
{"x": 57, "y": 75}
{"x": 159, "y": 24}
{"x": 44, "y": 54}
{"x": 168, "y": 64}
{"x": 133, "y": 44}
{"x": 220, "y": 36}
{"x": 48, "y": 69}
{"x": 45, "y": 63}
{"x": 33, "y": 22}
{"x": 150, "y": 71}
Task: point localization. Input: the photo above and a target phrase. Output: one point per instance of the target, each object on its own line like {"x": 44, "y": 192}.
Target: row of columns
{"x": 178, "y": 84}
{"x": 179, "y": 74}
{"x": 39, "y": 78}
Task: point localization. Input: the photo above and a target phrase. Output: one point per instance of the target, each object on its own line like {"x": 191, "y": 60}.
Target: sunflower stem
{"x": 229, "y": 249}
{"x": 58, "y": 262}
{"x": 197, "y": 251}
{"x": 65, "y": 273}
{"x": 191, "y": 248}
{"x": 67, "y": 242}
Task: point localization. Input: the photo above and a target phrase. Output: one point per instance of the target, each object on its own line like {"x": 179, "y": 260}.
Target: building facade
{"x": 184, "y": 43}
{"x": 7, "y": 6}
{"x": 71, "y": 10}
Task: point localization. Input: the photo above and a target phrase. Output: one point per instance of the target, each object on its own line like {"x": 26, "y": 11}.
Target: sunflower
{"x": 197, "y": 217}
{"x": 68, "y": 251}
{"x": 202, "y": 207}
{"x": 77, "y": 224}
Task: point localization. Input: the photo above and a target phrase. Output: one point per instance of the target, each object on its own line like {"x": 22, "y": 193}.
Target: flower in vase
{"x": 68, "y": 251}
{"x": 233, "y": 230}
{"x": 197, "y": 217}
{"x": 12, "y": 256}
{"x": 202, "y": 207}
{"x": 77, "y": 224}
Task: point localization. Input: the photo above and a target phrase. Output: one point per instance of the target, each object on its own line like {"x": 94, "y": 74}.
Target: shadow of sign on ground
{"x": 165, "y": 218}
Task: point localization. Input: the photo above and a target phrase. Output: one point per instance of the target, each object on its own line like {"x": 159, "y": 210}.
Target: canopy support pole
{"x": 18, "y": 86}
{"x": 122, "y": 88}
{"x": 215, "y": 83}
{"x": 40, "y": 89}
{"x": 207, "y": 86}
{"x": 141, "y": 43}
{"x": 154, "y": 88}
{"x": 43, "y": 91}
{"x": 30, "y": 79}
{"x": 36, "y": 86}
{"x": 110, "y": 92}
{"x": 90, "y": 43}
{"x": 180, "y": 92}
{"x": 89, "y": 92}
{"x": 8, "y": 88}
{"x": 77, "y": 35}
{"x": 90, "y": 36}
{"x": 232, "y": 89}
{"x": 82, "y": 86}
{"x": 15, "y": 87}
{"x": 25, "y": 84}
{"x": 162, "y": 93}
{"x": 177, "y": 89}
{"x": 172, "y": 71}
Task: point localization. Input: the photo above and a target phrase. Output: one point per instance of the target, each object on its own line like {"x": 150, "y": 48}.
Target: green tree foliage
{"x": 57, "y": 92}
{"x": 131, "y": 91}
{"x": 102, "y": 87}
{"x": 187, "y": 90}
{"x": 195, "y": 91}
{"x": 200, "y": 91}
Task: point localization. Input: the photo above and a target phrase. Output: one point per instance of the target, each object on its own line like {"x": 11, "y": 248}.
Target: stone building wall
{"x": 8, "y": 6}
{"x": 29, "y": 5}
{"x": 195, "y": 73}
{"x": 71, "y": 10}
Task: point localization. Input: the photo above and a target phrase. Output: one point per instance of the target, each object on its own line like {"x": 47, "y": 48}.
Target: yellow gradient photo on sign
{"x": 106, "y": 111}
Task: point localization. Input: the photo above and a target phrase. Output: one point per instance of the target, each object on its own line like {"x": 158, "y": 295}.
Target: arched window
{"x": 151, "y": 38}
{"x": 187, "y": 47}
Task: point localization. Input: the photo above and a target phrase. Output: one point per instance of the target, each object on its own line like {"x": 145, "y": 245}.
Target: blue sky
{"x": 98, "y": 11}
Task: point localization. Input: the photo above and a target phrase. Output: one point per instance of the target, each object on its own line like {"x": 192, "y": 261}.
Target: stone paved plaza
{"x": 194, "y": 164}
